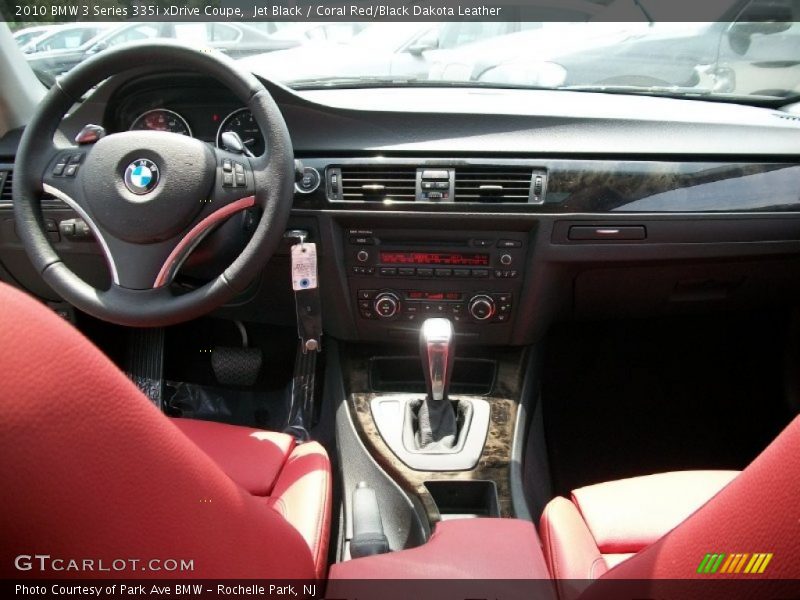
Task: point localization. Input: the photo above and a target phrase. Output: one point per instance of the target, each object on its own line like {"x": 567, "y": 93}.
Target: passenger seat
{"x": 660, "y": 527}
{"x": 605, "y": 524}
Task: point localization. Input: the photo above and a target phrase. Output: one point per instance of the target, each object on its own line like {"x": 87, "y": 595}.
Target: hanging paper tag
{"x": 304, "y": 267}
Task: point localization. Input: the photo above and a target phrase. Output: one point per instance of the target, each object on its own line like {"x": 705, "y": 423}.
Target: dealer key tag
{"x": 304, "y": 266}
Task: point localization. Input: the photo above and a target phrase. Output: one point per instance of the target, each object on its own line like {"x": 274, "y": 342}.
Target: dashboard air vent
{"x": 6, "y": 179}
{"x": 5, "y": 186}
{"x": 362, "y": 183}
{"x": 499, "y": 184}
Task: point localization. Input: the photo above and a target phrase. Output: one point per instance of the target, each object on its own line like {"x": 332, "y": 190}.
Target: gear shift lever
{"x": 436, "y": 347}
{"x": 436, "y": 424}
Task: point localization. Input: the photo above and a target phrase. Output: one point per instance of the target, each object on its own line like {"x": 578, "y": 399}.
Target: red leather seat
{"x": 605, "y": 524}
{"x": 294, "y": 480}
{"x": 92, "y": 470}
{"x": 661, "y": 526}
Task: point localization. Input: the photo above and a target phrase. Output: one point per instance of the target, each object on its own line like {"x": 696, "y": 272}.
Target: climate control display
{"x": 413, "y": 305}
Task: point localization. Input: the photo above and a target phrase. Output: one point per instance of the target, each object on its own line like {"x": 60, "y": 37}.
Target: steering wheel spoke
{"x": 235, "y": 178}
{"x": 62, "y": 173}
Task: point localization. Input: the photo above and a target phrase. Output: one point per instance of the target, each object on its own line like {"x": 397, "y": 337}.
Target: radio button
{"x": 444, "y": 272}
{"x": 362, "y": 240}
{"x": 509, "y": 244}
{"x": 436, "y": 174}
{"x": 501, "y": 318}
{"x": 366, "y": 294}
{"x": 364, "y": 304}
{"x": 362, "y": 256}
{"x": 387, "y": 271}
{"x": 483, "y": 243}
{"x": 506, "y": 259}
{"x": 425, "y": 272}
{"x": 461, "y": 272}
{"x": 480, "y": 272}
{"x": 406, "y": 271}
{"x": 412, "y": 308}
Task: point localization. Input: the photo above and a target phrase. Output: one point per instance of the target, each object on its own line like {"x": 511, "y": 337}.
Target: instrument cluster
{"x": 204, "y": 123}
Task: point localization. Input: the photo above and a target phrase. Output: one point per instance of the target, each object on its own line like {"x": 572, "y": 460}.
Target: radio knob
{"x": 481, "y": 307}
{"x": 386, "y": 305}
{"x": 362, "y": 256}
{"x": 506, "y": 259}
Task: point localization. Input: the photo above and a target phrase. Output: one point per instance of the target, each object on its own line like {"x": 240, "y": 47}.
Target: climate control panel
{"x": 413, "y": 305}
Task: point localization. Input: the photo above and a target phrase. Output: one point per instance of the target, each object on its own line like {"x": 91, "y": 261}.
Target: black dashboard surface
{"x": 602, "y": 152}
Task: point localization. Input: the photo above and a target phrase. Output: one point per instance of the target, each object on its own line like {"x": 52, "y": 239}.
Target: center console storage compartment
{"x": 458, "y": 499}
{"x": 474, "y": 376}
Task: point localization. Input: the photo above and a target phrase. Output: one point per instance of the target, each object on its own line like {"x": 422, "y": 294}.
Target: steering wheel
{"x": 150, "y": 197}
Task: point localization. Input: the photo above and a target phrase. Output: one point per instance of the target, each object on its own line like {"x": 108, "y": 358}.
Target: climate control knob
{"x": 481, "y": 307}
{"x": 386, "y": 305}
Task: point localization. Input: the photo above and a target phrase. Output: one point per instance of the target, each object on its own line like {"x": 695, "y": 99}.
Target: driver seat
{"x": 93, "y": 470}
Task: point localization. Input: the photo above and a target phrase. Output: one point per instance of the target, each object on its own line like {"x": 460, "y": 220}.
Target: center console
{"x": 433, "y": 390}
{"x": 397, "y": 279}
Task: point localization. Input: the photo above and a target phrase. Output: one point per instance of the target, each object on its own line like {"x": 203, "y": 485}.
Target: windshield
{"x": 618, "y": 46}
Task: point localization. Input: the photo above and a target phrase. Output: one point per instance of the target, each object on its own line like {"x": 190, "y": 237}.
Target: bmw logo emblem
{"x": 141, "y": 176}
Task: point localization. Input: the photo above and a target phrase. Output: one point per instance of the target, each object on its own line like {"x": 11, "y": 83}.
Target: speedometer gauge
{"x": 242, "y": 123}
{"x": 161, "y": 119}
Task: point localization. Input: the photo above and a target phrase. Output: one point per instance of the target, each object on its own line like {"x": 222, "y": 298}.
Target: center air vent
{"x": 360, "y": 183}
{"x": 499, "y": 184}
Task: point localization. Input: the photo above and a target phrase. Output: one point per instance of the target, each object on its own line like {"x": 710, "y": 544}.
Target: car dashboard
{"x": 503, "y": 209}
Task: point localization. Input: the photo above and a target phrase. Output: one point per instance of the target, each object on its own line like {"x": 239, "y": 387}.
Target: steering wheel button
{"x": 238, "y": 168}
{"x": 240, "y": 180}
{"x": 227, "y": 180}
{"x": 70, "y": 170}
{"x": 67, "y": 227}
{"x": 75, "y": 159}
{"x": 58, "y": 170}
{"x": 227, "y": 167}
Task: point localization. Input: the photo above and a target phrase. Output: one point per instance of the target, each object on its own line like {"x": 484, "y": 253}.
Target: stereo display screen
{"x": 435, "y": 258}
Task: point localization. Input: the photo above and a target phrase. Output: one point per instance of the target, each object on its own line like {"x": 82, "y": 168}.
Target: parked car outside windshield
{"x": 739, "y": 54}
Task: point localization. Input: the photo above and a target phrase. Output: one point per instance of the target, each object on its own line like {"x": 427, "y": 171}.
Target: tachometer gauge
{"x": 242, "y": 123}
{"x": 161, "y": 119}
